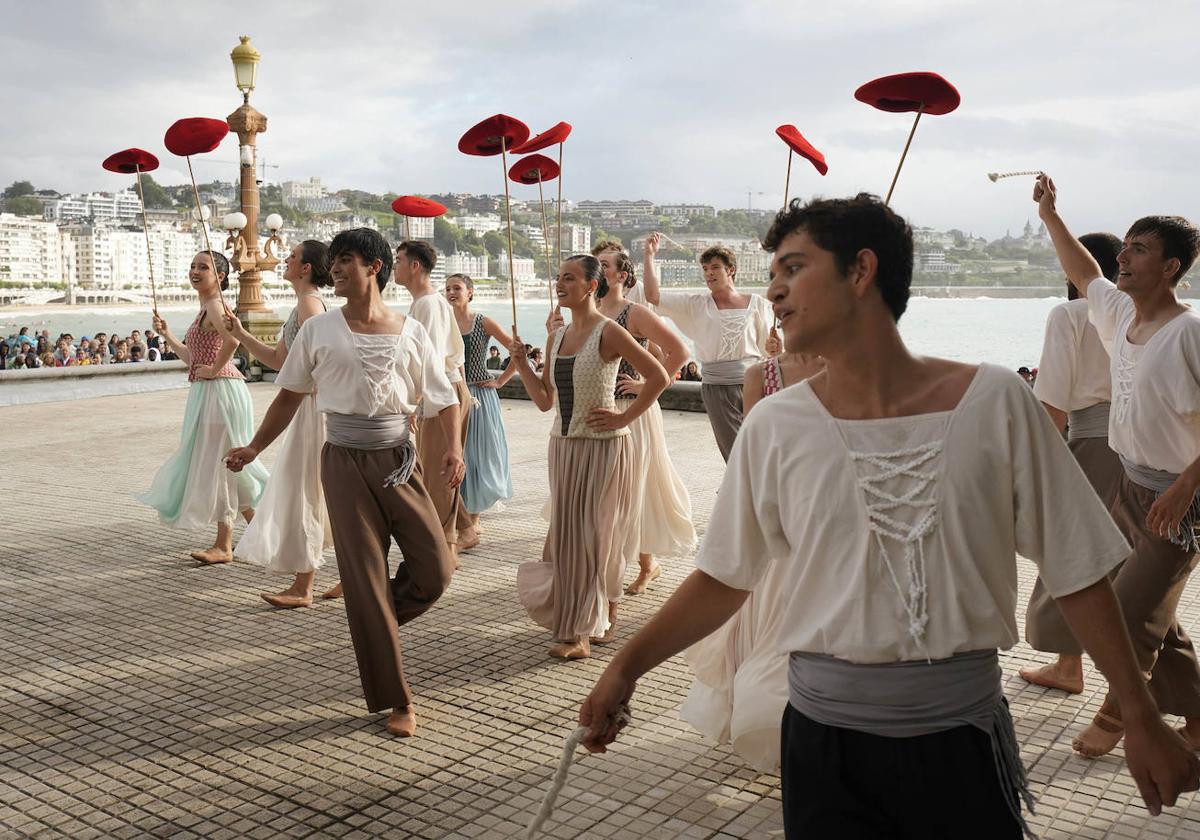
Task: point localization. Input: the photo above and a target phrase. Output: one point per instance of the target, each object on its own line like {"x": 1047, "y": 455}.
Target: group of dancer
{"x": 858, "y": 576}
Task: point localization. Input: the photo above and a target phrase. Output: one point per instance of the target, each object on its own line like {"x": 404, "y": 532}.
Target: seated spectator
{"x": 62, "y": 351}
{"x": 4, "y": 355}
{"x": 691, "y": 372}
{"x": 121, "y": 356}
{"x": 1026, "y": 374}
{"x": 43, "y": 345}
{"x": 153, "y": 354}
{"x": 135, "y": 353}
{"x": 18, "y": 362}
{"x": 82, "y": 357}
{"x": 535, "y": 358}
{"x": 49, "y": 360}
{"x": 493, "y": 360}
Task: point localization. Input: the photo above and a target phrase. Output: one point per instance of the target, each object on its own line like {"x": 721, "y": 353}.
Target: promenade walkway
{"x": 144, "y": 696}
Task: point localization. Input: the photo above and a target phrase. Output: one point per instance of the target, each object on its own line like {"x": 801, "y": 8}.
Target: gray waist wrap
{"x": 387, "y": 431}
{"x": 1159, "y": 481}
{"x": 728, "y": 372}
{"x": 909, "y": 699}
{"x": 1090, "y": 422}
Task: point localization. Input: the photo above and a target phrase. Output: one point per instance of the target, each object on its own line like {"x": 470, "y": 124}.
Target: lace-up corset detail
{"x": 378, "y": 356}
{"x": 1125, "y": 364}
{"x": 733, "y": 331}
{"x": 900, "y": 494}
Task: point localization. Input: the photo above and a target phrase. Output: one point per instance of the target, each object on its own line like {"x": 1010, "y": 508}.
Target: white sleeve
{"x": 1060, "y": 352}
{"x": 296, "y": 374}
{"x": 678, "y": 306}
{"x": 745, "y": 529}
{"x": 436, "y": 392}
{"x": 1107, "y": 306}
{"x": 1061, "y": 524}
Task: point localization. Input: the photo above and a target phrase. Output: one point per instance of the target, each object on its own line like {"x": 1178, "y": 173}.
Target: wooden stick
{"x": 407, "y": 231}
{"x": 558, "y": 209}
{"x": 904, "y": 154}
{"x": 146, "y": 228}
{"x": 546, "y": 238}
{"x": 204, "y": 230}
{"x": 787, "y": 181}
{"x": 512, "y": 271}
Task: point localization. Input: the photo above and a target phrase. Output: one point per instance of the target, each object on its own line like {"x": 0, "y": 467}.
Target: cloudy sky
{"x": 675, "y": 100}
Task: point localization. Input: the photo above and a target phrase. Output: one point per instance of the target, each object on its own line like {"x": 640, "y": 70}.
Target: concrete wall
{"x": 24, "y": 387}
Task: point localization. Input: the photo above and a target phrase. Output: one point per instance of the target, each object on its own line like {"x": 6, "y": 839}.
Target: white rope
{"x": 560, "y": 775}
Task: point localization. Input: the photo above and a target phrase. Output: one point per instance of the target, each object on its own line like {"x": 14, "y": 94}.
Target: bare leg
{"x": 1103, "y": 734}
{"x": 332, "y": 592}
{"x": 299, "y": 594}
{"x": 648, "y": 572}
{"x": 221, "y": 550}
{"x": 612, "y": 626}
{"x": 575, "y": 649}
{"x": 402, "y": 722}
{"x": 1065, "y": 674}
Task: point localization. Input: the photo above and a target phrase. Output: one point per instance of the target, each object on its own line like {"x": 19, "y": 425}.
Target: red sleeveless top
{"x": 203, "y": 346}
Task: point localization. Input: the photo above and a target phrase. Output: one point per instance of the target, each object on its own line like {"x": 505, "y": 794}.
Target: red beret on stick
{"x": 495, "y": 136}
{"x": 195, "y": 136}
{"x": 556, "y": 134}
{"x": 795, "y": 141}
{"x": 135, "y": 162}
{"x": 414, "y": 205}
{"x": 923, "y": 92}
{"x": 535, "y": 169}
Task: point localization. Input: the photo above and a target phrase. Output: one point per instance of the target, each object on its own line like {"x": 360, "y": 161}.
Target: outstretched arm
{"x": 1161, "y": 763}
{"x": 1081, "y": 267}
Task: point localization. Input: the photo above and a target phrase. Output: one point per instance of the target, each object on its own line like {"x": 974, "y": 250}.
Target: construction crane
{"x": 262, "y": 162}
{"x": 750, "y": 197}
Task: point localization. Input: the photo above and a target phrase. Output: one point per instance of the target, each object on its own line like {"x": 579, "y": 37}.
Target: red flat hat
{"x": 130, "y": 161}
{"x": 195, "y": 135}
{"x": 417, "y": 207}
{"x": 534, "y": 168}
{"x": 908, "y": 92}
{"x": 549, "y": 137}
{"x": 790, "y": 134}
{"x": 493, "y": 135}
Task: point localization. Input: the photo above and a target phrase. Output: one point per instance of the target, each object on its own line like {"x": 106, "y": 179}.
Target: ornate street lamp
{"x": 248, "y": 261}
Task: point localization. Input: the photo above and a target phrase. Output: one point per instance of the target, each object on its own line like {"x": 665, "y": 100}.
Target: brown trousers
{"x": 1045, "y": 627}
{"x": 431, "y": 449}
{"x": 1149, "y": 585}
{"x": 366, "y": 516}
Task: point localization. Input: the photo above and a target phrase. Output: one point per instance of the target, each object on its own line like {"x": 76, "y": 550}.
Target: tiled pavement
{"x": 143, "y": 696}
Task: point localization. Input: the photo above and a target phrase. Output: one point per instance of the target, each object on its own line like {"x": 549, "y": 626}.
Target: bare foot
{"x": 1100, "y": 736}
{"x": 468, "y": 543}
{"x": 571, "y": 650}
{"x": 1058, "y": 675}
{"x": 402, "y": 722}
{"x": 608, "y": 635}
{"x": 334, "y": 591}
{"x": 213, "y": 556}
{"x": 286, "y": 600}
{"x": 644, "y": 579}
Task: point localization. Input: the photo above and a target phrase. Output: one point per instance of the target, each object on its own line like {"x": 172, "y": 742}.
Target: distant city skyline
{"x": 673, "y": 101}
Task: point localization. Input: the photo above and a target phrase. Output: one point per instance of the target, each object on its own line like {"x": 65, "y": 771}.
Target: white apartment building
{"x": 687, "y": 211}
{"x": 524, "y": 267}
{"x": 294, "y": 192}
{"x": 477, "y": 224}
{"x": 533, "y": 233}
{"x": 114, "y": 208}
{"x": 460, "y": 263}
{"x": 112, "y": 258}
{"x": 30, "y": 250}
{"x": 618, "y": 209}
{"x": 418, "y": 227}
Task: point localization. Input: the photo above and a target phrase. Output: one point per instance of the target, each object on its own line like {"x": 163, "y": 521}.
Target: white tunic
{"x": 897, "y": 537}
{"x": 1073, "y": 372}
{"x": 356, "y": 373}
{"x": 1155, "y": 417}
{"x": 436, "y": 316}
{"x": 719, "y": 335}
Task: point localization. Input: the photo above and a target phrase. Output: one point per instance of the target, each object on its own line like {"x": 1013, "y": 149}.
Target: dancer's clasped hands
{"x": 239, "y": 457}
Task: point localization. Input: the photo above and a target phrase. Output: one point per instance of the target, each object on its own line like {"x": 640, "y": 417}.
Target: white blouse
{"x": 719, "y": 335}
{"x": 357, "y": 373}
{"x": 898, "y": 536}
{"x": 1073, "y": 372}
{"x": 436, "y": 316}
{"x": 1155, "y": 417}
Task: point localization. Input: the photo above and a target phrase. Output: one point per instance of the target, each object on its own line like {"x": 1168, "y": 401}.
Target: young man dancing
{"x": 896, "y": 491}
{"x": 1154, "y": 426}
{"x": 370, "y": 367}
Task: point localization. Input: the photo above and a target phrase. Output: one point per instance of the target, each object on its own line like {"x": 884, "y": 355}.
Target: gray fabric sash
{"x": 728, "y": 372}
{"x": 387, "y": 431}
{"x": 1159, "y": 481}
{"x": 909, "y": 699}
{"x": 1090, "y": 422}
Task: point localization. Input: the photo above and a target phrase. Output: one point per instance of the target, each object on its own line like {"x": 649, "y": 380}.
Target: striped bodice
{"x": 475, "y": 343}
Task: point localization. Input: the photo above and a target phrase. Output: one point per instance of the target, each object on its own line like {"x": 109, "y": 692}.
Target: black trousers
{"x": 840, "y": 784}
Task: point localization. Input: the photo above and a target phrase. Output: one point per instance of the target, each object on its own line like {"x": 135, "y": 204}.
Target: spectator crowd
{"x": 36, "y": 350}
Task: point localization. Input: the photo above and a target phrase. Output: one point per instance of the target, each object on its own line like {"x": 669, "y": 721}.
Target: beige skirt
{"x": 583, "y": 560}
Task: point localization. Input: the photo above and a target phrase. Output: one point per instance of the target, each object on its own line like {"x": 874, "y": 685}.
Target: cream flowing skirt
{"x": 290, "y": 529}
{"x": 665, "y": 523}
{"x": 583, "y": 560}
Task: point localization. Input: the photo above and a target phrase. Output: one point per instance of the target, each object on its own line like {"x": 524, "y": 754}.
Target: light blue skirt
{"x": 194, "y": 489}
{"x": 488, "y": 480}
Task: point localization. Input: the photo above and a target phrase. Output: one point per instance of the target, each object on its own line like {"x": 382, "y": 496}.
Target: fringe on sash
{"x": 1007, "y": 756}
{"x": 408, "y": 462}
{"x": 1185, "y": 537}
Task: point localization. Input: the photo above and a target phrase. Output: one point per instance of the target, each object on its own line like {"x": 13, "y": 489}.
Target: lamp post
{"x": 248, "y": 261}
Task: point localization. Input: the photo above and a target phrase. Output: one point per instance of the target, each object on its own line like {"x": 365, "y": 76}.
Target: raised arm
{"x": 1081, "y": 267}
{"x": 175, "y": 344}
{"x": 649, "y": 272}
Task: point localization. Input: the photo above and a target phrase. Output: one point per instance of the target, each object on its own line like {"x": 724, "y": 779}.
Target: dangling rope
{"x": 560, "y": 775}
